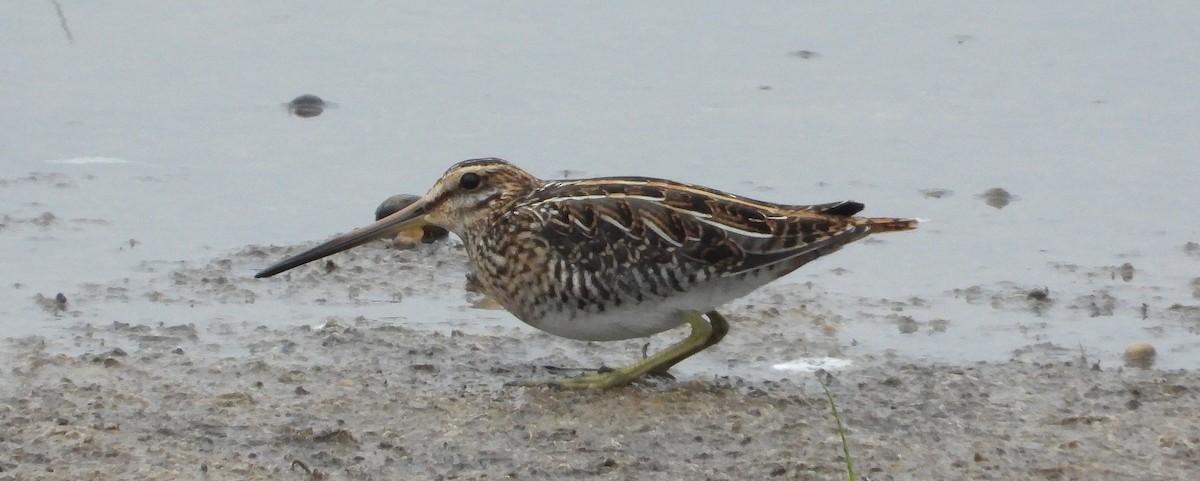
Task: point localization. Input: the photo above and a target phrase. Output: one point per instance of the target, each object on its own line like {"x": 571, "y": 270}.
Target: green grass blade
{"x": 841, "y": 430}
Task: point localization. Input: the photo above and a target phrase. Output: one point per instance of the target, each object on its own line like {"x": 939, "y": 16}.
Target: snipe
{"x": 620, "y": 257}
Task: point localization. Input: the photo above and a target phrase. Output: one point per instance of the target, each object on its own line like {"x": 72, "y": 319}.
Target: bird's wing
{"x": 652, "y": 224}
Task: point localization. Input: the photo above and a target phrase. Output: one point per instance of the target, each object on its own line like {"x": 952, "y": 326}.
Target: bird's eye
{"x": 469, "y": 180}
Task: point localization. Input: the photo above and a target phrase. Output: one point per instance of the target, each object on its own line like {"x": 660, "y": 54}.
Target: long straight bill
{"x": 411, "y": 216}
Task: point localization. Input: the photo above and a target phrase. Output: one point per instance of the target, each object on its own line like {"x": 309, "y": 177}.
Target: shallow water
{"x": 155, "y": 138}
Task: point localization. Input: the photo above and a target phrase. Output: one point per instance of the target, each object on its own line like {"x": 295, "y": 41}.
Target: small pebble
{"x": 408, "y": 238}
{"x": 997, "y": 197}
{"x": 307, "y": 105}
{"x": 1140, "y": 355}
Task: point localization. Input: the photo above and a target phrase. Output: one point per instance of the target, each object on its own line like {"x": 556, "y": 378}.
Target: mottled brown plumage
{"x": 619, "y": 257}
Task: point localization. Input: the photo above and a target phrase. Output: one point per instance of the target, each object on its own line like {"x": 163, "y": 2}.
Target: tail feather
{"x": 886, "y": 224}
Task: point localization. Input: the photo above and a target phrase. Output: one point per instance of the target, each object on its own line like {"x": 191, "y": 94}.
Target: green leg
{"x": 720, "y": 327}
{"x": 704, "y": 334}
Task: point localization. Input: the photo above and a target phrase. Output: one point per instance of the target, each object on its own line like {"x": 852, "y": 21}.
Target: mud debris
{"x": 934, "y": 193}
{"x": 1039, "y": 300}
{"x": 1100, "y": 303}
{"x": 1125, "y": 272}
{"x": 997, "y": 197}
{"x": 242, "y": 415}
{"x": 56, "y": 304}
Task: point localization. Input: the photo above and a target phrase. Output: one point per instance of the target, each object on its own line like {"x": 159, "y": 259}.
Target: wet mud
{"x": 201, "y": 393}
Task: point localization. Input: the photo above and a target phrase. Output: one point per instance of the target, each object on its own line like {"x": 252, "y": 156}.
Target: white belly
{"x": 652, "y": 316}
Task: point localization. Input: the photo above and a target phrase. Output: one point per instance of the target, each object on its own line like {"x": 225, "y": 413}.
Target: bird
{"x": 614, "y": 258}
